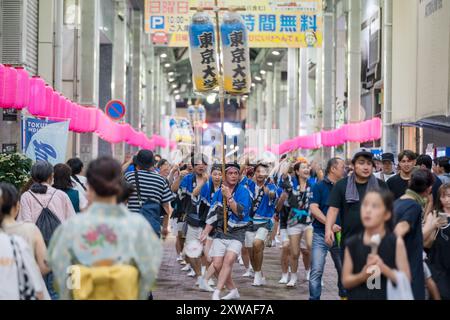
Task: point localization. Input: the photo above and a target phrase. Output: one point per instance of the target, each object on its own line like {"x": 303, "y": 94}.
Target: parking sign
{"x": 157, "y": 22}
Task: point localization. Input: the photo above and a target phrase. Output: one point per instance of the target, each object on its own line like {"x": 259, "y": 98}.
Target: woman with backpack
{"x": 107, "y": 243}
{"x": 45, "y": 206}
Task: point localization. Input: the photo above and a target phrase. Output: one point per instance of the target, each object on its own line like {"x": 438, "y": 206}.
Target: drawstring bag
{"x": 47, "y": 221}
{"x": 401, "y": 291}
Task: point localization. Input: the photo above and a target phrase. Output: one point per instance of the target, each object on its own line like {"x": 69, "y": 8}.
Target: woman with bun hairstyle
{"x": 107, "y": 240}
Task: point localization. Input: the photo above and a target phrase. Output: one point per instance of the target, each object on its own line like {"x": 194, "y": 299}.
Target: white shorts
{"x": 299, "y": 229}
{"x": 284, "y": 236}
{"x": 220, "y": 246}
{"x": 193, "y": 233}
{"x": 250, "y": 237}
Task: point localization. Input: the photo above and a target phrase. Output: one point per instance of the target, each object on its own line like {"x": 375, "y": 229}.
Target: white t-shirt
{"x": 383, "y": 176}
{"x": 9, "y": 279}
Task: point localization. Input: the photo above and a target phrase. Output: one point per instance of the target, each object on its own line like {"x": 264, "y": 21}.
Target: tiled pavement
{"x": 173, "y": 284}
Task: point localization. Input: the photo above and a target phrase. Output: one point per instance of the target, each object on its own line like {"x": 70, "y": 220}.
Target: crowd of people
{"x": 386, "y": 227}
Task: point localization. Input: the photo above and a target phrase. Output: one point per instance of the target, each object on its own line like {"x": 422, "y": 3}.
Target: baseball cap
{"x": 144, "y": 159}
{"x": 387, "y": 157}
{"x": 365, "y": 152}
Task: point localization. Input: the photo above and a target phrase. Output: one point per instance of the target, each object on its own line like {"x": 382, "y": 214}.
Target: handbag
{"x": 26, "y": 289}
{"x": 401, "y": 291}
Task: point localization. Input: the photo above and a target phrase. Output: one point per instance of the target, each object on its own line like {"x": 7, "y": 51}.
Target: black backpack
{"x": 47, "y": 221}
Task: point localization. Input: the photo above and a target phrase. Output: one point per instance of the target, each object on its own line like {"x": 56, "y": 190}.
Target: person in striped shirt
{"x": 150, "y": 187}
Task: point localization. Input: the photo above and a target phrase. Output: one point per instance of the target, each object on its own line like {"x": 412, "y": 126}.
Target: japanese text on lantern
{"x": 269, "y": 22}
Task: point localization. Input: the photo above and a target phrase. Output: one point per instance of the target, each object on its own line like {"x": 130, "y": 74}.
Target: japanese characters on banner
{"x": 45, "y": 140}
{"x": 236, "y": 54}
{"x": 270, "y": 23}
{"x": 203, "y": 53}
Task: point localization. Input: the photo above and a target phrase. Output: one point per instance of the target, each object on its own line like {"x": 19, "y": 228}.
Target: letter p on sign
{"x": 157, "y": 23}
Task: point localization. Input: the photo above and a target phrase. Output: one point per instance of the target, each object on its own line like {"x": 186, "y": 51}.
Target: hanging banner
{"x": 45, "y": 140}
{"x": 202, "y": 49}
{"x": 270, "y": 23}
{"x": 236, "y": 54}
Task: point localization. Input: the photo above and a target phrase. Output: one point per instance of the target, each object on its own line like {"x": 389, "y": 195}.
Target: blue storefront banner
{"x": 45, "y": 140}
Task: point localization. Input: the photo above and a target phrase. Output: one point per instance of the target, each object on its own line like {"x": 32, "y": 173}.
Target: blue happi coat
{"x": 266, "y": 207}
{"x": 237, "y": 221}
{"x": 196, "y": 208}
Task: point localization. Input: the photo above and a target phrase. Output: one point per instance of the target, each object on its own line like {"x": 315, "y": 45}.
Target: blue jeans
{"x": 48, "y": 279}
{"x": 318, "y": 255}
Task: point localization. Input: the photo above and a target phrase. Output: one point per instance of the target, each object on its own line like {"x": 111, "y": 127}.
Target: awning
{"x": 437, "y": 123}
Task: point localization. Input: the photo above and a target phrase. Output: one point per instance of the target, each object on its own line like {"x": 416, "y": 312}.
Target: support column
{"x": 89, "y": 71}
{"x": 390, "y": 132}
{"x": 259, "y": 116}
{"x": 269, "y": 105}
{"x": 276, "y": 95}
{"x": 137, "y": 41}
{"x": 157, "y": 93}
{"x": 119, "y": 65}
{"x": 293, "y": 96}
{"x": 354, "y": 67}
{"x": 149, "y": 89}
{"x": 303, "y": 92}
{"x": 328, "y": 76}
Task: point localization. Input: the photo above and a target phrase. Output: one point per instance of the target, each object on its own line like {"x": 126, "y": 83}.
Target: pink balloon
{"x": 23, "y": 88}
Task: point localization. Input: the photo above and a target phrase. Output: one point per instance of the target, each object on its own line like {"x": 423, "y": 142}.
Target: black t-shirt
{"x": 397, "y": 185}
{"x": 349, "y": 213}
{"x": 439, "y": 258}
{"x": 359, "y": 253}
{"x": 410, "y": 211}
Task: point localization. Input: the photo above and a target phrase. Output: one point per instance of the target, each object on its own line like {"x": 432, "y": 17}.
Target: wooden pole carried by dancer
{"x": 217, "y": 10}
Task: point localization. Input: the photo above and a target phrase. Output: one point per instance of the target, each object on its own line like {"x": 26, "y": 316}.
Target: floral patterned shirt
{"x": 105, "y": 232}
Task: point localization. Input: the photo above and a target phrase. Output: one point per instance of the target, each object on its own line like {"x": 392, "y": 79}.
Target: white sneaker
{"x": 241, "y": 262}
{"x": 203, "y": 270}
{"x": 293, "y": 280}
{"x": 233, "y": 295}
{"x": 203, "y": 285}
{"x": 308, "y": 273}
{"x": 259, "y": 280}
{"x": 211, "y": 282}
{"x": 216, "y": 295}
{"x": 249, "y": 273}
{"x": 187, "y": 267}
{"x": 191, "y": 273}
{"x": 180, "y": 258}
{"x": 284, "y": 278}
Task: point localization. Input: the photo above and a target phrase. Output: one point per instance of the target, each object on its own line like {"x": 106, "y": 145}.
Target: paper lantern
{"x": 75, "y": 117}
{"x": 36, "y": 103}
{"x": 23, "y": 88}
{"x": 376, "y": 129}
{"x": 56, "y": 97}
{"x": 2, "y": 85}
{"x": 236, "y": 54}
{"x": 9, "y": 87}
{"x": 47, "y": 103}
{"x": 202, "y": 52}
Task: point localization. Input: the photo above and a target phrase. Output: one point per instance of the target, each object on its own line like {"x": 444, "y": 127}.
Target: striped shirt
{"x": 151, "y": 185}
